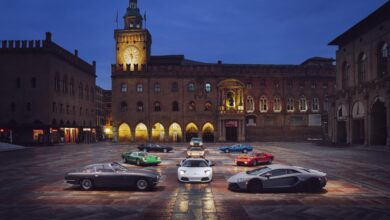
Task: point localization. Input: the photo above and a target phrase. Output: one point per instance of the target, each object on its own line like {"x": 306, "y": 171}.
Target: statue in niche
{"x": 230, "y": 99}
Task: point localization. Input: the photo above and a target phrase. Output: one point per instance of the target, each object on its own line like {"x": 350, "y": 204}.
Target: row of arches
{"x": 158, "y": 133}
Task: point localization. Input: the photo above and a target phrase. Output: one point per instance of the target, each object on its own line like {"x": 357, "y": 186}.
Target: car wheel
{"x": 86, "y": 184}
{"x": 142, "y": 184}
{"x": 313, "y": 185}
{"x": 165, "y": 151}
{"x": 227, "y": 151}
{"x": 138, "y": 162}
{"x": 255, "y": 186}
{"x": 245, "y": 151}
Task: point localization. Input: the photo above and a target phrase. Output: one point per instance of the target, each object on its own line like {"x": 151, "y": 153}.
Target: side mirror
{"x": 212, "y": 165}
{"x": 178, "y": 165}
{"x": 268, "y": 175}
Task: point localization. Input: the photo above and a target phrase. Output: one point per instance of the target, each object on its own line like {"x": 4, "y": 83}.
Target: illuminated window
{"x": 362, "y": 67}
{"x": 140, "y": 88}
{"x": 123, "y": 107}
{"x": 303, "y": 104}
{"x": 290, "y": 105}
{"x": 207, "y": 87}
{"x": 277, "y": 104}
{"x": 175, "y": 87}
{"x": 315, "y": 105}
{"x": 191, "y": 87}
{"x": 123, "y": 87}
{"x": 344, "y": 76}
{"x": 383, "y": 55}
{"x": 175, "y": 106}
{"x": 250, "y": 104}
{"x": 263, "y": 104}
{"x": 140, "y": 107}
{"x": 157, "y": 87}
{"x": 208, "y": 106}
{"x": 157, "y": 107}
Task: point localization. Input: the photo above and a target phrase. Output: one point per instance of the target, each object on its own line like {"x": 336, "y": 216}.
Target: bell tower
{"x": 133, "y": 42}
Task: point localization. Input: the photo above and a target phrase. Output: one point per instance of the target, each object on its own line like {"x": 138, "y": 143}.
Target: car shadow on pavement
{"x": 114, "y": 189}
{"x": 322, "y": 191}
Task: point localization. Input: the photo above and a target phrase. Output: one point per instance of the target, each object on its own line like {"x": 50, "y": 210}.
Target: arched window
{"x": 383, "y": 55}
{"x": 71, "y": 87}
{"x": 290, "y": 105}
{"x": 157, "y": 107}
{"x": 123, "y": 87}
{"x": 250, "y": 104}
{"x": 140, "y": 88}
{"x": 263, "y": 104}
{"x": 33, "y": 82}
{"x": 208, "y": 106}
{"x": 192, "y": 106}
{"x": 315, "y": 105}
{"x": 81, "y": 93}
{"x": 140, "y": 106}
{"x": 175, "y": 106}
{"x": 123, "y": 107}
{"x": 344, "y": 76}
{"x": 362, "y": 68}
{"x": 175, "y": 87}
{"x": 277, "y": 104}
{"x": 302, "y": 104}
{"x": 157, "y": 87}
{"x": 208, "y": 88}
{"x": 191, "y": 87}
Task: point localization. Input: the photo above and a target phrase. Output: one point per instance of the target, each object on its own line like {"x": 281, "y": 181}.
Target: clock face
{"x": 131, "y": 55}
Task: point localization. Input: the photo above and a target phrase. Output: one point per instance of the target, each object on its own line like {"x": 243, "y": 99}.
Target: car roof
{"x": 195, "y": 159}
{"x": 282, "y": 166}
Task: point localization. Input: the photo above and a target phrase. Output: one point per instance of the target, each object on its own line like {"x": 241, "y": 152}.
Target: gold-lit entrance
{"x": 124, "y": 133}
{"x": 141, "y": 133}
{"x": 175, "y": 133}
{"x": 158, "y": 132}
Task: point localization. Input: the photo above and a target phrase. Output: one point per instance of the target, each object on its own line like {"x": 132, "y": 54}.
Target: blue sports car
{"x": 236, "y": 148}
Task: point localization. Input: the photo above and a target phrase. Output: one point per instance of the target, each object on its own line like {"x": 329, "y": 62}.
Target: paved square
{"x": 32, "y": 186}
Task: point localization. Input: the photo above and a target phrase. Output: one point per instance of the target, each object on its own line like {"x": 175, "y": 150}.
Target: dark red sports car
{"x": 253, "y": 159}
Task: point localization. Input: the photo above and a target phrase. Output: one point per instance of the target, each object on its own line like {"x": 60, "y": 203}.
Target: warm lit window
{"x": 175, "y": 106}
{"x": 123, "y": 107}
{"x": 208, "y": 87}
{"x": 362, "y": 68}
{"x": 140, "y": 88}
{"x": 383, "y": 59}
{"x": 157, "y": 107}
{"x": 123, "y": 87}
{"x": 140, "y": 107}
{"x": 315, "y": 105}
{"x": 191, "y": 87}
{"x": 290, "y": 105}
{"x": 277, "y": 104}
{"x": 250, "y": 104}
{"x": 263, "y": 104}
{"x": 303, "y": 104}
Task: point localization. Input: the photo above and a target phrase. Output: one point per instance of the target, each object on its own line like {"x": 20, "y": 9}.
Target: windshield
{"x": 143, "y": 154}
{"x": 195, "y": 139}
{"x": 258, "y": 171}
{"x": 195, "y": 163}
{"x": 89, "y": 169}
{"x": 196, "y": 149}
{"x": 118, "y": 168}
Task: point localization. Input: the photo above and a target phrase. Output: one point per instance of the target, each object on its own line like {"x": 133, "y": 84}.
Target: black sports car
{"x": 113, "y": 175}
{"x": 155, "y": 148}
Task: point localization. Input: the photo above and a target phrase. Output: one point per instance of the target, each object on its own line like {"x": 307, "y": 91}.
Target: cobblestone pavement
{"x": 32, "y": 186}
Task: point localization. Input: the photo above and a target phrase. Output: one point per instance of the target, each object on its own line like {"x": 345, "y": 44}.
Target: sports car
{"x": 155, "y": 148}
{"x": 113, "y": 175}
{"x": 278, "y": 178}
{"x": 253, "y": 159}
{"x": 195, "y": 170}
{"x": 141, "y": 158}
{"x": 236, "y": 148}
{"x": 196, "y": 152}
{"x": 195, "y": 141}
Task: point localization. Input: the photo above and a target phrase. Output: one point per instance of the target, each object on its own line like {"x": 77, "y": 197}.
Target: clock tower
{"x": 133, "y": 42}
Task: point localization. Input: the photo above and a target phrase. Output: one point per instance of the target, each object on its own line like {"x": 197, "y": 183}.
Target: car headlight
{"x": 158, "y": 158}
{"x": 182, "y": 172}
{"x": 144, "y": 159}
{"x": 207, "y": 172}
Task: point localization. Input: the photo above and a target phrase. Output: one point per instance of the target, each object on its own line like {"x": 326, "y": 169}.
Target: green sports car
{"x": 141, "y": 158}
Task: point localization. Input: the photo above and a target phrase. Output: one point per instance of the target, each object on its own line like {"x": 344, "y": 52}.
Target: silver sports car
{"x": 278, "y": 178}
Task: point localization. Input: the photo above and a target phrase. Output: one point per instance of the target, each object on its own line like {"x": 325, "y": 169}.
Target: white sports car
{"x": 195, "y": 170}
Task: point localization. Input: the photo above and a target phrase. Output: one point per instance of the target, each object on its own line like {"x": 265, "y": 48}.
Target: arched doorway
{"x": 358, "y": 115}
{"x": 158, "y": 132}
{"x": 175, "y": 133}
{"x": 141, "y": 133}
{"x": 378, "y": 123}
{"x": 342, "y": 124}
{"x": 124, "y": 133}
{"x": 191, "y": 131}
{"x": 208, "y": 133}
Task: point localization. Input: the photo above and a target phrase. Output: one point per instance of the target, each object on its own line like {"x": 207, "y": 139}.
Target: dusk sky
{"x": 246, "y": 31}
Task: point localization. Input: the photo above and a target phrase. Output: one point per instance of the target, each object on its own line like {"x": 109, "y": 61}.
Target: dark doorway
{"x": 231, "y": 134}
{"x": 358, "y": 131}
{"x": 378, "y": 124}
{"x": 341, "y": 132}
{"x": 191, "y": 135}
{"x": 208, "y": 137}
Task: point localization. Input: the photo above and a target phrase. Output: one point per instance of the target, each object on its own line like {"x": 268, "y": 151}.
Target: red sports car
{"x": 253, "y": 159}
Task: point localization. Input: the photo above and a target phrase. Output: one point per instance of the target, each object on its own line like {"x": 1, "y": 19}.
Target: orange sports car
{"x": 253, "y": 159}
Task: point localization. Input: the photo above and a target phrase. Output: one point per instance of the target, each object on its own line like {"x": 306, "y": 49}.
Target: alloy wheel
{"x": 142, "y": 184}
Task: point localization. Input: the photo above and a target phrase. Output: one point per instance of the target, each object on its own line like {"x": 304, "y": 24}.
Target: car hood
{"x": 239, "y": 177}
{"x": 195, "y": 171}
{"x": 244, "y": 157}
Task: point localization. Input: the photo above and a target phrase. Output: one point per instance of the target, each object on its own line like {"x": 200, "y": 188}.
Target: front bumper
{"x": 239, "y": 187}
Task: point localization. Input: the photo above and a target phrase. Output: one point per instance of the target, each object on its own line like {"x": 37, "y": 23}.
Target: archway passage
{"x": 191, "y": 131}
{"x": 358, "y": 131}
{"x": 175, "y": 133}
{"x": 378, "y": 124}
{"x": 341, "y": 132}
{"x": 208, "y": 133}
{"x": 141, "y": 133}
{"x": 158, "y": 132}
{"x": 124, "y": 133}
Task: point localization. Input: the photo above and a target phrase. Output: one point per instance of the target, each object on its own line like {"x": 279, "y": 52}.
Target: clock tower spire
{"x": 133, "y": 42}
